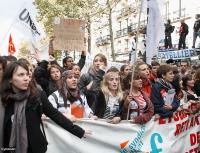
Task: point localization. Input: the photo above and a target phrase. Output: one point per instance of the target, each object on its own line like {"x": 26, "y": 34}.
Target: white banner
{"x": 177, "y": 54}
{"x": 155, "y": 30}
{"x": 179, "y": 134}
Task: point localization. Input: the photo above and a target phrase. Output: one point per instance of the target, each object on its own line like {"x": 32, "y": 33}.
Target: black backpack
{"x": 186, "y": 29}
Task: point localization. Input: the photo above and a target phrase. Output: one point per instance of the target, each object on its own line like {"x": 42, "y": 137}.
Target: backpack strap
{"x": 56, "y": 100}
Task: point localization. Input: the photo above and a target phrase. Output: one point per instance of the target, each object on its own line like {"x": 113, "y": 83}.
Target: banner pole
{"x": 136, "y": 45}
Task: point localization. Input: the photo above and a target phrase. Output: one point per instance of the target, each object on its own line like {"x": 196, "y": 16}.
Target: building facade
{"x": 125, "y": 21}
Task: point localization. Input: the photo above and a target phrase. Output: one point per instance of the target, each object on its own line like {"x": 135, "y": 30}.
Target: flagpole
{"x": 133, "y": 69}
{"x": 136, "y": 45}
{"x": 12, "y": 23}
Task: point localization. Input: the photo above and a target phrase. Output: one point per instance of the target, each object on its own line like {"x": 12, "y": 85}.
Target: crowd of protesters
{"x": 135, "y": 93}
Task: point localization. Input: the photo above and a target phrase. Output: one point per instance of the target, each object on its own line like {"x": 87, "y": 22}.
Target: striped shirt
{"x": 112, "y": 108}
{"x": 141, "y": 102}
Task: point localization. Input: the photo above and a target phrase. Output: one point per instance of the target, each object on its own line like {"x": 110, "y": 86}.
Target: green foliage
{"x": 24, "y": 50}
{"x": 48, "y": 10}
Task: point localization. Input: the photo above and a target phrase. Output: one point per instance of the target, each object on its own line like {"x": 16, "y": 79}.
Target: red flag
{"x": 11, "y": 46}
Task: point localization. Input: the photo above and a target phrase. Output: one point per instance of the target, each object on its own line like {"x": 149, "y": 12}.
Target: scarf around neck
{"x": 164, "y": 83}
{"x": 18, "y": 138}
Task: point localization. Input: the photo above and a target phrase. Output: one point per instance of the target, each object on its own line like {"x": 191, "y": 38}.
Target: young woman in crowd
{"x": 69, "y": 100}
{"x": 55, "y": 79}
{"x": 23, "y": 106}
{"x": 77, "y": 70}
{"x": 124, "y": 71}
{"x": 109, "y": 98}
{"x": 188, "y": 87}
{"x": 143, "y": 69}
{"x": 137, "y": 106}
{"x": 161, "y": 91}
{"x": 90, "y": 83}
{"x": 191, "y": 97}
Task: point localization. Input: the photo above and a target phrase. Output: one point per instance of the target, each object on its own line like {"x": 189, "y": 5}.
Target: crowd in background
{"x": 135, "y": 93}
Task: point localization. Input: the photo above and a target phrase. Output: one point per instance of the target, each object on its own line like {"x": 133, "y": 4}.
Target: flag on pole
{"x": 11, "y": 46}
{"x": 26, "y": 25}
{"x": 155, "y": 30}
{"x": 27, "y": 29}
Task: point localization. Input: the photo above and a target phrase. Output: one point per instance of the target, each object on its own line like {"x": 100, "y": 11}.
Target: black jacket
{"x": 35, "y": 106}
{"x": 197, "y": 87}
{"x": 196, "y": 25}
{"x": 81, "y": 62}
{"x": 42, "y": 76}
{"x": 100, "y": 106}
{"x": 91, "y": 94}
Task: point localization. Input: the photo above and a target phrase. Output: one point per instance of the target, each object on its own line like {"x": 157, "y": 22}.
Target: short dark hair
{"x": 11, "y": 58}
{"x": 185, "y": 61}
{"x": 163, "y": 70}
{"x": 168, "y": 21}
{"x": 65, "y": 59}
{"x": 170, "y": 61}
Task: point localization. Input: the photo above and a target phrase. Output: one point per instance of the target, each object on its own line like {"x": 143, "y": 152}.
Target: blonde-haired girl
{"x": 110, "y": 98}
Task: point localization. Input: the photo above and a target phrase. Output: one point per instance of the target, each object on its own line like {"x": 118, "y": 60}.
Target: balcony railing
{"x": 131, "y": 29}
{"x": 103, "y": 40}
{"x": 125, "y": 11}
{"x": 122, "y": 33}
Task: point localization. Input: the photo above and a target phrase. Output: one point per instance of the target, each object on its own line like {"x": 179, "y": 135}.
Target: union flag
{"x": 11, "y": 46}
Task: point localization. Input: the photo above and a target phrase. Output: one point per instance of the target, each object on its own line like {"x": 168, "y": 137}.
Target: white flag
{"x": 143, "y": 8}
{"x": 155, "y": 30}
{"x": 25, "y": 28}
